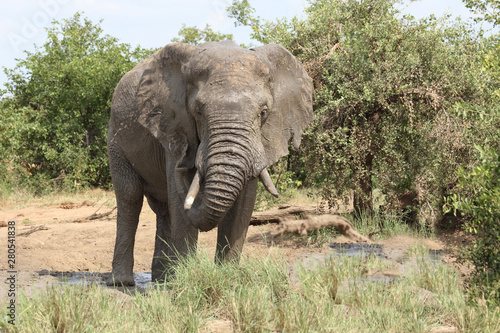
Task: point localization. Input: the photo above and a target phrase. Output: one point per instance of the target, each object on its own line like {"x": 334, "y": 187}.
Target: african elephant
{"x": 192, "y": 128}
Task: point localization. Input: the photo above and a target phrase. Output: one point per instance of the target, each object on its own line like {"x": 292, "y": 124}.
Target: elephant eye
{"x": 263, "y": 115}
{"x": 197, "y": 109}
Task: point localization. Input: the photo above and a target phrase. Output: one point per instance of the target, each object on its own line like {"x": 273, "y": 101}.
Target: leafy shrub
{"x": 480, "y": 200}
{"x": 56, "y": 105}
{"x": 386, "y": 86}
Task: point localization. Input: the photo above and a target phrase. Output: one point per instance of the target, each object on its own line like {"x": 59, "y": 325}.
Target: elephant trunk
{"x": 229, "y": 164}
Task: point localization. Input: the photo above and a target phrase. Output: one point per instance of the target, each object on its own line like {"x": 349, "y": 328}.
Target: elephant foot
{"x": 162, "y": 270}
{"x": 159, "y": 277}
{"x": 120, "y": 280}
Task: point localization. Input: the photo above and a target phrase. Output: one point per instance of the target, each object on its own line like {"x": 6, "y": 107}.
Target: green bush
{"x": 386, "y": 89}
{"x": 479, "y": 199}
{"x": 56, "y": 106}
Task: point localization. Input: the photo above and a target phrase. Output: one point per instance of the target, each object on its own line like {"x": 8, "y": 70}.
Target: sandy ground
{"x": 49, "y": 239}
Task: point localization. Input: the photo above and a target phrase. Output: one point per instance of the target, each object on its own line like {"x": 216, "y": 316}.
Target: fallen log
{"x": 302, "y": 226}
{"x": 283, "y": 212}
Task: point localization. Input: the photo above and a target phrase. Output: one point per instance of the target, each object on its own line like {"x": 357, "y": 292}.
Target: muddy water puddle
{"x": 356, "y": 249}
{"x": 142, "y": 280}
{"x": 401, "y": 261}
{"x": 364, "y": 250}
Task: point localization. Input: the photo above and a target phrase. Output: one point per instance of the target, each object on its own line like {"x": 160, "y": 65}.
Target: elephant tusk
{"x": 193, "y": 191}
{"x": 268, "y": 183}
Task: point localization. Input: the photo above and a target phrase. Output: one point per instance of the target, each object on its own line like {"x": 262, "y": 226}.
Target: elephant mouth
{"x": 194, "y": 190}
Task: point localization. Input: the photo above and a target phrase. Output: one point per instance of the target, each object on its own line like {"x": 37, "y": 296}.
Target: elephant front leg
{"x": 162, "y": 239}
{"x": 175, "y": 237}
{"x": 233, "y": 228}
{"x": 123, "y": 258}
{"x": 129, "y": 197}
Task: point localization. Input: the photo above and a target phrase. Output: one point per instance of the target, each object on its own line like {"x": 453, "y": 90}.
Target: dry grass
{"x": 21, "y": 199}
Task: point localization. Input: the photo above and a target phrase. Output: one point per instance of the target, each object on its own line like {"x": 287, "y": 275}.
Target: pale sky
{"x": 153, "y": 23}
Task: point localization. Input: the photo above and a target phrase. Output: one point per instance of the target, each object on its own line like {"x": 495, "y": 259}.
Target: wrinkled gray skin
{"x": 217, "y": 114}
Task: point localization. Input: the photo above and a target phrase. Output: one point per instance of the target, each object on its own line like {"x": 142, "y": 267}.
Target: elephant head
{"x": 225, "y": 114}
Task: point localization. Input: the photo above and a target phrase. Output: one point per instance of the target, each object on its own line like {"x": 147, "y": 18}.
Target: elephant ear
{"x": 291, "y": 112}
{"x": 161, "y": 101}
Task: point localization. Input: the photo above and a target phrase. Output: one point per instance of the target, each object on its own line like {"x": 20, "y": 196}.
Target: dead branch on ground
{"x": 301, "y": 227}
{"x": 71, "y": 205}
{"x": 94, "y": 216}
{"x": 32, "y": 230}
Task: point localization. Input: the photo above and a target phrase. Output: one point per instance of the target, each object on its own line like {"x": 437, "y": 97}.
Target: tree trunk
{"x": 363, "y": 200}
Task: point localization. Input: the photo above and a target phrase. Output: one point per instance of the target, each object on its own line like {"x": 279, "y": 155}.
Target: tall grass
{"x": 259, "y": 296}
{"x": 386, "y": 224}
